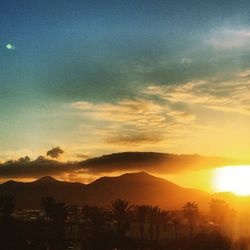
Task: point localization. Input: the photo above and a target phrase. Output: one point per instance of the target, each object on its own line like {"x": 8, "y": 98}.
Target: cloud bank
{"x": 158, "y": 163}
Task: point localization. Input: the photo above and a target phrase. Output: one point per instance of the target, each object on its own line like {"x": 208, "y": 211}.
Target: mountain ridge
{"x": 138, "y": 188}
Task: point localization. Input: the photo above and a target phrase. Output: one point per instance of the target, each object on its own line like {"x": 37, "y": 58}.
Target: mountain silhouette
{"x": 138, "y": 188}
{"x": 29, "y": 194}
{"x": 46, "y": 179}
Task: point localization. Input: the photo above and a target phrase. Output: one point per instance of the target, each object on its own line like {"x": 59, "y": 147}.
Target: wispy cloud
{"x": 135, "y": 121}
{"x": 168, "y": 117}
{"x": 229, "y": 38}
{"x": 227, "y": 96}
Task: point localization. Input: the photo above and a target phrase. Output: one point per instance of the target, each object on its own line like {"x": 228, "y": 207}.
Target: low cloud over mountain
{"x": 158, "y": 163}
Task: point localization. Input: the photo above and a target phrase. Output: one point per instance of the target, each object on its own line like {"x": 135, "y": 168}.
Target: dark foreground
{"x": 57, "y": 226}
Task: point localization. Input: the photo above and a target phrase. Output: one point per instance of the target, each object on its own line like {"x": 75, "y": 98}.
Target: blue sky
{"x": 74, "y": 65}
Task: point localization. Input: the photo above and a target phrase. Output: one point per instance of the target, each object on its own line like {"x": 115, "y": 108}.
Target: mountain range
{"x": 137, "y": 188}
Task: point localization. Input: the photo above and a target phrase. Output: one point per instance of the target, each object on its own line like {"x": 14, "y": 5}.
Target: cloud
{"x": 55, "y": 152}
{"x": 159, "y": 163}
{"x": 33, "y": 169}
{"x": 114, "y": 164}
{"x": 229, "y": 38}
{"x": 136, "y": 121}
{"x": 227, "y": 96}
{"x": 186, "y": 60}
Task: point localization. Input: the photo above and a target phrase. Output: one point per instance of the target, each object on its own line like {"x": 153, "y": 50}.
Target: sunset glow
{"x": 125, "y": 125}
{"x": 234, "y": 179}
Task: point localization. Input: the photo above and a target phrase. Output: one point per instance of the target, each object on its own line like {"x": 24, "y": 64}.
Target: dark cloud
{"x": 55, "y": 152}
{"x": 158, "y": 163}
{"x": 25, "y": 159}
{"x": 40, "y": 158}
{"x": 34, "y": 169}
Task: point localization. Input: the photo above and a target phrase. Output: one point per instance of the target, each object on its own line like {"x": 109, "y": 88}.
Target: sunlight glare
{"x": 234, "y": 179}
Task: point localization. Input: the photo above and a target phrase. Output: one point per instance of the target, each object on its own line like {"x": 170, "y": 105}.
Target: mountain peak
{"x": 137, "y": 174}
{"x": 46, "y": 179}
{"x": 10, "y": 182}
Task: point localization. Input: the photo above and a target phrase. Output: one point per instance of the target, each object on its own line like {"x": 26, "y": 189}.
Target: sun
{"x": 234, "y": 179}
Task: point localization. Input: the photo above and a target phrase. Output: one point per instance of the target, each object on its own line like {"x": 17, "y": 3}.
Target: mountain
{"x": 137, "y": 188}
{"x": 28, "y": 195}
{"x": 141, "y": 188}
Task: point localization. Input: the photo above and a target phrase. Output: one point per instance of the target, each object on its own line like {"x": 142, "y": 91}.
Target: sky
{"x": 96, "y": 77}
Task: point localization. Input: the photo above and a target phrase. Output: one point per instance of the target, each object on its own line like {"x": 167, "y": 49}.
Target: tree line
{"x": 107, "y": 228}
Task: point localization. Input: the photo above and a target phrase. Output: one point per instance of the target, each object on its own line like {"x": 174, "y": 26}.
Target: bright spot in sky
{"x": 10, "y": 46}
{"x": 234, "y": 179}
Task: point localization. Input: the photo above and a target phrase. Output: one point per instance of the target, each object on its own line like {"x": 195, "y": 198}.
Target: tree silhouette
{"x": 152, "y": 219}
{"x": 96, "y": 233}
{"x": 120, "y": 210}
{"x": 48, "y": 205}
{"x": 57, "y": 213}
{"x": 176, "y": 219}
{"x": 10, "y": 230}
{"x": 7, "y": 206}
{"x": 95, "y": 218}
{"x": 218, "y": 211}
{"x": 191, "y": 213}
{"x": 141, "y": 214}
{"x": 161, "y": 220}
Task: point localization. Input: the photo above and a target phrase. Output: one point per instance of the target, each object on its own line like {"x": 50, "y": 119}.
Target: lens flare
{"x": 10, "y": 46}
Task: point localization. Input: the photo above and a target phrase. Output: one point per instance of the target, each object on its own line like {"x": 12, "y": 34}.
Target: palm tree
{"x": 161, "y": 220}
{"x": 191, "y": 213}
{"x": 218, "y": 210}
{"x": 48, "y": 204}
{"x": 152, "y": 218}
{"x": 120, "y": 211}
{"x": 141, "y": 214}
{"x": 57, "y": 212}
{"x": 176, "y": 219}
{"x": 61, "y": 213}
{"x": 96, "y": 219}
{"x": 94, "y": 231}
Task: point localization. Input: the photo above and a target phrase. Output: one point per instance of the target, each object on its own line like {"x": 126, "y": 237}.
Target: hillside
{"x": 28, "y": 195}
{"x": 138, "y": 188}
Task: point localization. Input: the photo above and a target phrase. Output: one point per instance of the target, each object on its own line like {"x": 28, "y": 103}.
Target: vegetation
{"x": 122, "y": 226}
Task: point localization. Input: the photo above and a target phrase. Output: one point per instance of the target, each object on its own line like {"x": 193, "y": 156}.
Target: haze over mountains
{"x": 137, "y": 188}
